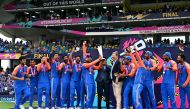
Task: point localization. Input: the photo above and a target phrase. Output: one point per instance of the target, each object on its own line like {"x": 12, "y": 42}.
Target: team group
{"x": 62, "y": 81}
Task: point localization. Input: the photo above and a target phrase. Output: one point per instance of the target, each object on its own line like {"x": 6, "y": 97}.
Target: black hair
{"x": 77, "y": 56}
{"x": 22, "y": 57}
{"x": 182, "y": 56}
{"x": 56, "y": 54}
{"x": 32, "y": 60}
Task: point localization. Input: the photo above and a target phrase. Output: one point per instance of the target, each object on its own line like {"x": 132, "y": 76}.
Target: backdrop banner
{"x": 5, "y": 56}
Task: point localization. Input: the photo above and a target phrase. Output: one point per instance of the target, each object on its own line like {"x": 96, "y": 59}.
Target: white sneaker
{"x": 52, "y": 108}
{"x": 30, "y": 108}
{"x": 131, "y": 107}
{"x": 46, "y": 108}
{"x": 39, "y": 108}
{"x": 22, "y": 107}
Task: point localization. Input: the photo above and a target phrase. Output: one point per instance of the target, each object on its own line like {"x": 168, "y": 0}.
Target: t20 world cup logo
{"x": 132, "y": 42}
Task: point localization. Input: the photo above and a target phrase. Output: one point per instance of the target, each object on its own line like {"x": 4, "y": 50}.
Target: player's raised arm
{"x": 88, "y": 65}
{"x": 140, "y": 62}
{"x": 133, "y": 59}
{"x": 98, "y": 67}
{"x": 84, "y": 49}
{"x": 71, "y": 58}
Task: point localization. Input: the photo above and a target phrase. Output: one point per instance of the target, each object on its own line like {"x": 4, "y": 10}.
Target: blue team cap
{"x": 149, "y": 53}
{"x": 168, "y": 54}
{"x": 128, "y": 58}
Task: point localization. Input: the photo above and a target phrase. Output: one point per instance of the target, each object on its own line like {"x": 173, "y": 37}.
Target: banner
{"x": 59, "y": 21}
{"x": 39, "y": 56}
{"x": 51, "y": 3}
{"x": 11, "y": 98}
{"x": 6, "y": 56}
{"x": 163, "y": 29}
{"x": 154, "y": 16}
{"x": 7, "y": 98}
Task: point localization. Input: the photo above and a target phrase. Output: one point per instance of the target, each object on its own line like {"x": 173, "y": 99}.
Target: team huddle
{"x": 61, "y": 81}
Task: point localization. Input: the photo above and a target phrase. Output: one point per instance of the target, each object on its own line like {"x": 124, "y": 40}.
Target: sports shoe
{"x": 30, "y": 108}
{"x": 22, "y": 107}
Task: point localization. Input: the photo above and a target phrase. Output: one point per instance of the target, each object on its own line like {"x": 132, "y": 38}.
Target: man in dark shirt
{"x": 103, "y": 82}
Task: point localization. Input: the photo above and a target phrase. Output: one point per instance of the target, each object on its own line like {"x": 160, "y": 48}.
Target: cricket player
{"x": 75, "y": 80}
{"x": 184, "y": 79}
{"x": 89, "y": 67}
{"x": 139, "y": 79}
{"x": 148, "y": 89}
{"x": 55, "y": 82}
{"x": 168, "y": 83}
{"x": 44, "y": 82}
{"x": 66, "y": 71}
{"x": 20, "y": 86}
{"x": 32, "y": 73}
{"x": 129, "y": 70}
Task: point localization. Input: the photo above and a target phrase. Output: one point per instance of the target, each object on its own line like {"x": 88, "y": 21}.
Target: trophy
{"x": 100, "y": 51}
{"x": 77, "y": 49}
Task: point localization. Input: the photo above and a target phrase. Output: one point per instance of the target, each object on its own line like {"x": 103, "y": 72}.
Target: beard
{"x": 179, "y": 61}
{"x": 165, "y": 59}
{"x": 66, "y": 61}
{"x": 147, "y": 58}
{"x": 77, "y": 61}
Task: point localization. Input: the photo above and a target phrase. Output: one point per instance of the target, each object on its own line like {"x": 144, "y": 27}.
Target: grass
{"x": 10, "y": 105}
